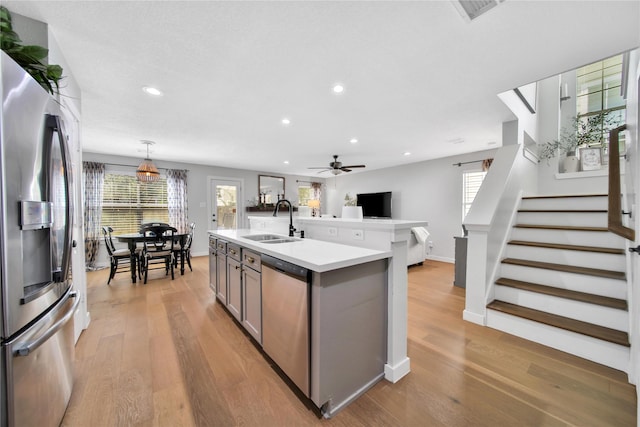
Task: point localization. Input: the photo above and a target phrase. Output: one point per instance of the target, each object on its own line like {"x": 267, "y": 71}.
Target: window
{"x": 471, "y": 182}
{"x": 127, "y": 203}
{"x": 598, "y": 91}
{"x": 305, "y": 193}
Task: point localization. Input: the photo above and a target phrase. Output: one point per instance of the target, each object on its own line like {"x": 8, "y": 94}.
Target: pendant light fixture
{"x": 147, "y": 171}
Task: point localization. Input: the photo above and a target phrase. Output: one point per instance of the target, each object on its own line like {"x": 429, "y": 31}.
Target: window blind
{"x": 471, "y": 182}
{"x": 127, "y": 203}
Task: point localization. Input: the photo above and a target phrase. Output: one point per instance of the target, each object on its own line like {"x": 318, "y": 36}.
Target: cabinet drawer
{"x": 221, "y": 246}
{"x": 233, "y": 251}
{"x": 251, "y": 259}
{"x": 212, "y": 242}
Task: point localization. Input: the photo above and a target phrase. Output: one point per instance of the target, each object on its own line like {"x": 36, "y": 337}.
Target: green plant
{"x": 585, "y": 131}
{"x": 28, "y": 57}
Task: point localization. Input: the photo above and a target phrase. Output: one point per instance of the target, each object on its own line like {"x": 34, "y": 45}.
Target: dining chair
{"x": 184, "y": 251}
{"x": 118, "y": 257}
{"x": 158, "y": 248}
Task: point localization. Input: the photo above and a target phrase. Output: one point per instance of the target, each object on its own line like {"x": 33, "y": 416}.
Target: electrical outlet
{"x": 430, "y": 244}
{"x": 357, "y": 234}
{"x": 333, "y": 231}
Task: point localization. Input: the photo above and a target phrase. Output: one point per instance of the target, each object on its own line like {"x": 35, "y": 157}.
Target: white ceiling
{"x": 417, "y": 76}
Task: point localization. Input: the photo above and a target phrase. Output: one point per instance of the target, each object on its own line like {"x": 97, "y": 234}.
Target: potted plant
{"x": 585, "y": 131}
{"x": 28, "y": 57}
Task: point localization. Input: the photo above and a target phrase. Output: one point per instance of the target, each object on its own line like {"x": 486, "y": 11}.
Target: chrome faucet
{"x": 275, "y": 213}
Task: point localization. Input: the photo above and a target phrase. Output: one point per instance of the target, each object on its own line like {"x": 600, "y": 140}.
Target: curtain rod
{"x": 132, "y": 166}
{"x": 309, "y": 182}
{"x": 466, "y": 163}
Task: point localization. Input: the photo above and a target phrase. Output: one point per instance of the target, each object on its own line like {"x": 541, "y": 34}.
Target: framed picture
{"x": 591, "y": 158}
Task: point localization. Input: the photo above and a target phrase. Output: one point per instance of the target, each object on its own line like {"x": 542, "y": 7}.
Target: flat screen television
{"x": 375, "y": 205}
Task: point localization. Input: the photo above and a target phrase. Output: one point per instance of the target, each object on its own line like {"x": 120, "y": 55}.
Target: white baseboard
{"x": 472, "y": 317}
{"x": 441, "y": 259}
{"x": 395, "y": 373}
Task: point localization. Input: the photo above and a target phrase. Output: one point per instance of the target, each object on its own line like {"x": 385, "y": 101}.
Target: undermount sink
{"x": 283, "y": 240}
{"x": 263, "y": 237}
{"x": 269, "y": 238}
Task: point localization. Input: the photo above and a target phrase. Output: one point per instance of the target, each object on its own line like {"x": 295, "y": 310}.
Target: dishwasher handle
{"x": 287, "y": 268}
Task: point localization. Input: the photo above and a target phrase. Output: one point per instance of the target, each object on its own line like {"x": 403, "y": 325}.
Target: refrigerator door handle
{"x": 56, "y": 124}
{"x": 24, "y": 349}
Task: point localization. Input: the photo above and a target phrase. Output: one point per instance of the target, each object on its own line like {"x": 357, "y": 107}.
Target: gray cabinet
{"x": 234, "y": 281}
{"x": 221, "y": 269}
{"x": 252, "y": 294}
{"x": 461, "y": 262}
{"x": 213, "y": 265}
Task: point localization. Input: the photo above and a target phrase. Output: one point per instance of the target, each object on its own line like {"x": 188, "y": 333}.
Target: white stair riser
{"x": 605, "y": 353}
{"x": 583, "y": 238}
{"x": 585, "y": 312}
{"x": 583, "y": 219}
{"x": 568, "y": 257}
{"x": 573, "y": 203}
{"x": 575, "y": 282}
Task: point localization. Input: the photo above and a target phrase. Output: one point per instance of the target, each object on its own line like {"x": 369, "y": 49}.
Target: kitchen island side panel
{"x": 348, "y": 333}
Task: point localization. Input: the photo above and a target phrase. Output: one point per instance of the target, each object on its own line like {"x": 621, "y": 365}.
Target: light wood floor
{"x": 168, "y": 354}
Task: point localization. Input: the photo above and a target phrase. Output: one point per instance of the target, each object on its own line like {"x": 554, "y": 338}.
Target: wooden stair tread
{"x": 562, "y": 227}
{"x": 563, "y": 196}
{"x": 614, "y": 251}
{"x": 618, "y": 275}
{"x": 563, "y": 210}
{"x": 584, "y": 328}
{"x": 616, "y": 303}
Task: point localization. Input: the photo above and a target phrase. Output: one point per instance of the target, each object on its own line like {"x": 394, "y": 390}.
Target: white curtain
{"x": 177, "y": 199}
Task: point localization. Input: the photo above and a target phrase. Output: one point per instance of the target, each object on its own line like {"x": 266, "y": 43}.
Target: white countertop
{"x": 316, "y": 255}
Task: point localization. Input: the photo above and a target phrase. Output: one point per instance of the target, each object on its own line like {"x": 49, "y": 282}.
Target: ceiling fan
{"x": 336, "y": 167}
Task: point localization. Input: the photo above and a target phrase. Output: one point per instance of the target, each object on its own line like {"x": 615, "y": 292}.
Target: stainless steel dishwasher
{"x": 285, "y": 318}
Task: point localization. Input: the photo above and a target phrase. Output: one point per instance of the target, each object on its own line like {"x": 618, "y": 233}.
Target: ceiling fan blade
{"x": 320, "y": 167}
{"x": 354, "y": 166}
{"x": 345, "y": 169}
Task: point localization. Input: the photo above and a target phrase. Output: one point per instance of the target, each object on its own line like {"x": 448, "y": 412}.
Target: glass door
{"x": 224, "y": 208}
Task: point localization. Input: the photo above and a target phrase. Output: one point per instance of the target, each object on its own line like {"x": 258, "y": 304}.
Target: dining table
{"x": 132, "y": 240}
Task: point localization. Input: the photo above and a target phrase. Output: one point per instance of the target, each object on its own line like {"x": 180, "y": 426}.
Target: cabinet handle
{"x": 251, "y": 260}
{"x": 232, "y": 251}
{"x": 237, "y": 266}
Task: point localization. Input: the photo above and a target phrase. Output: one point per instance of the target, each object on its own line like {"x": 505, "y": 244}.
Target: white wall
{"x": 426, "y": 191}
{"x": 197, "y": 184}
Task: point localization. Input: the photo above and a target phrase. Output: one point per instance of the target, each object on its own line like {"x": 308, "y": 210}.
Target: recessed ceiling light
{"x": 286, "y": 162}
{"x": 456, "y": 141}
{"x": 152, "y": 91}
{"x": 338, "y": 88}
{"x": 286, "y": 121}
{"x": 353, "y": 141}
{"x": 406, "y": 153}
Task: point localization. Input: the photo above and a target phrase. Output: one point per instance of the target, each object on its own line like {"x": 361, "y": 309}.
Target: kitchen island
{"x": 332, "y": 337}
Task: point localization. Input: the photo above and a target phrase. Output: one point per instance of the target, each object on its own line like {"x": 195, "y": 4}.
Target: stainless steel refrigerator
{"x": 37, "y": 296}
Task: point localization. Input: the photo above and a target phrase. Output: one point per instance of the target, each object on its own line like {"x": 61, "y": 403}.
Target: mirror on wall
{"x": 270, "y": 189}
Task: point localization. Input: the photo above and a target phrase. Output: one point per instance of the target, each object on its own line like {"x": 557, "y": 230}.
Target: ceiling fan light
{"x": 336, "y": 171}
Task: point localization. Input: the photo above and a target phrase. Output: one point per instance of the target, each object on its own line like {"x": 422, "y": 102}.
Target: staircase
{"x": 563, "y": 280}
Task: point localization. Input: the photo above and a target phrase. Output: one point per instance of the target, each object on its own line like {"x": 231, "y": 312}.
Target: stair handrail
{"x": 614, "y": 217}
